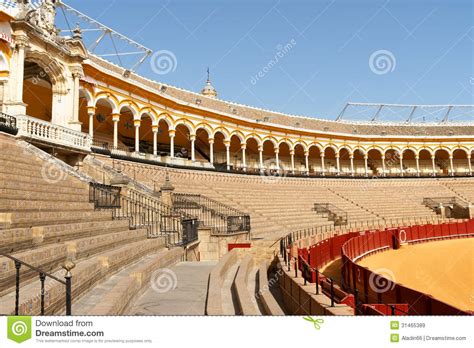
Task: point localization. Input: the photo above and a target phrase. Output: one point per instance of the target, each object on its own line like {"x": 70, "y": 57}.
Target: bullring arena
{"x": 121, "y": 196}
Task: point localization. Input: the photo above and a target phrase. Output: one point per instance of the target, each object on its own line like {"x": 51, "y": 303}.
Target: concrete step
{"x": 44, "y": 205}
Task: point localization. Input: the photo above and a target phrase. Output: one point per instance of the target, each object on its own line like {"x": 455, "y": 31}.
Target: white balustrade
{"x": 33, "y": 128}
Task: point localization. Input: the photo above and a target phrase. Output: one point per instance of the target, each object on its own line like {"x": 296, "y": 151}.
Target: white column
{"x": 243, "y": 147}
{"x": 433, "y": 164}
{"x": 306, "y": 161}
{"x": 323, "y": 168}
{"x": 91, "y": 113}
{"x": 338, "y": 166}
{"x": 115, "y": 120}
{"x": 277, "y": 159}
{"x": 172, "y": 133}
{"x": 136, "y": 123}
{"x": 155, "y": 140}
{"x": 401, "y": 164}
{"x": 417, "y": 158}
{"x": 352, "y": 165}
{"x": 21, "y": 42}
{"x": 292, "y": 154}
{"x": 260, "y": 157}
{"x": 75, "y": 116}
{"x": 366, "y": 158}
{"x": 469, "y": 164}
{"x": 383, "y": 165}
{"x": 193, "y": 153}
{"x": 227, "y": 154}
{"x": 211, "y": 150}
{"x": 451, "y": 164}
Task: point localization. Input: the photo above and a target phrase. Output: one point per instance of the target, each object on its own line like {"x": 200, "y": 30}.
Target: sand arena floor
{"x": 443, "y": 269}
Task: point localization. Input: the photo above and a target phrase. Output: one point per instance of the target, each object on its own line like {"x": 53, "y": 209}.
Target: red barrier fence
{"x": 374, "y": 288}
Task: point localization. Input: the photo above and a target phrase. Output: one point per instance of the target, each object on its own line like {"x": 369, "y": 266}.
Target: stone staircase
{"x": 46, "y": 219}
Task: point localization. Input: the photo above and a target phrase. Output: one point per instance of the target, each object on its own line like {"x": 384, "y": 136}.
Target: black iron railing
{"x": 332, "y": 212}
{"x": 143, "y": 211}
{"x": 67, "y": 282}
{"x": 8, "y": 124}
{"x": 211, "y": 213}
{"x": 104, "y": 196}
{"x": 454, "y": 206}
{"x": 101, "y": 147}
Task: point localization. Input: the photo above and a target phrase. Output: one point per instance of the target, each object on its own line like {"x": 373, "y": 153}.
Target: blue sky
{"x": 428, "y": 46}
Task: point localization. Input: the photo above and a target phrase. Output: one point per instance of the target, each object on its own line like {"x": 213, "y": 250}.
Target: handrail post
{"x": 68, "y": 266}
{"x": 42, "y": 278}
{"x": 332, "y": 292}
{"x": 317, "y": 282}
{"x": 296, "y": 267}
{"x": 17, "y": 287}
{"x": 392, "y": 307}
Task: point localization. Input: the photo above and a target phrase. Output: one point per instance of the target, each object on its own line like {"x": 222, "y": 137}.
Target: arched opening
{"x": 251, "y": 154}
{"x": 182, "y": 142}
{"x": 269, "y": 160}
{"x": 460, "y": 162}
{"x": 202, "y": 146}
{"x": 314, "y": 160}
{"x": 374, "y": 162}
{"x": 219, "y": 151}
{"x": 37, "y": 92}
{"x": 103, "y": 124}
{"x": 409, "y": 162}
{"x": 442, "y": 162}
{"x": 145, "y": 134}
{"x": 330, "y": 165}
{"x": 235, "y": 152}
{"x": 392, "y": 162}
{"x": 345, "y": 161}
{"x": 163, "y": 138}
{"x": 284, "y": 156}
{"x": 300, "y": 160}
{"x": 359, "y": 162}
{"x": 126, "y": 129}
{"x": 426, "y": 167}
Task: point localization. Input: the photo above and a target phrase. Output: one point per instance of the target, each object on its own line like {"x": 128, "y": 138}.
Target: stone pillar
{"x": 75, "y": 116}
{"x": 433, "y": 164}
{"x": 277, "y": 159}
{"x": 383, "y": 165}
{"x": 338, "y": 165}
{"x": 243, "y": 147}
{"x": 171, "y": 133}
{"x": 136, "y": 123}
{"x": 115, "y": 120}
{"x": 451, "y": 164}
{"x": 352, "y": 164}
{"x": 91, "y": 113}
{"x": 442, "y": 211}
{"x": 154, "y": 129}
{"x": 306, "y": 161}
{"x": 260, "y": 157}
{"x": 417, "y": 158}
{"x": 227, "y": 153}
{"x": 192, "y": 138}
{"x": 470, "y": 208}
{"x": 323, "y": 168}
{"x": 211, "y": 150}
{"x": 366, "y": 159}
{"x": 401, "y": 165}
{"x": 21, "y": 42}
{"x": 469, "y": 164}
{"x": 167, "y": 192}
{"x": 292, "y": 154}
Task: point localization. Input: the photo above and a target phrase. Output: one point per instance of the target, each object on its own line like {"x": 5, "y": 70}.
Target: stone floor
{"x": 187, "y": 298}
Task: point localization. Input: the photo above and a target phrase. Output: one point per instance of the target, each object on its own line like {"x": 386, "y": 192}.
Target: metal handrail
{"x": 216, "y": 215}
{"x": 43, "y": 275}
{"x": 8, "y": 124}
{"x": 333, "y": 213}
{"x": 434, "y": 202}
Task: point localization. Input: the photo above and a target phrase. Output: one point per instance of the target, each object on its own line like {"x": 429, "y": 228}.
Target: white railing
{"x": 33, "y": 128}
